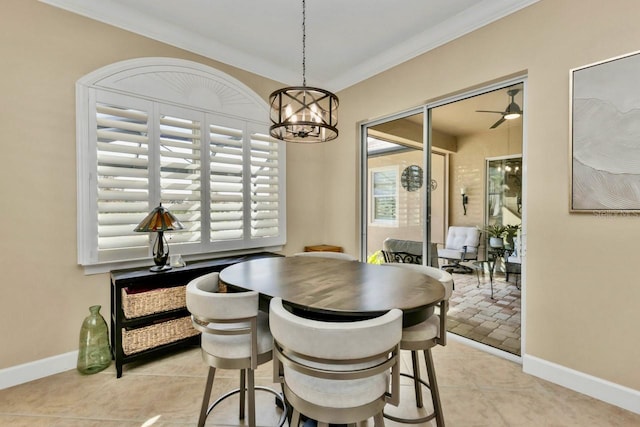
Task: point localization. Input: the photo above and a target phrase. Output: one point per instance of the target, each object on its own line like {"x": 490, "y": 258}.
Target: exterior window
{"x": 384, "y": 195}
{"x": 219, "y": 173}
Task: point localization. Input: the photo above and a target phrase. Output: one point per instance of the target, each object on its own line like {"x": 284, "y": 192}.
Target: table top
{"x": 337, "y": 288}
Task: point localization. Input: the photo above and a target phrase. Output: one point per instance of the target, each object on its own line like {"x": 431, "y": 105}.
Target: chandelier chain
{"x": 300, "y": 113}
{"x": 304, "y": 39}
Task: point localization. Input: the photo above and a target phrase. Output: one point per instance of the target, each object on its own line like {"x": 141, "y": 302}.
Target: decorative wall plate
{"x": 411, "y": 178}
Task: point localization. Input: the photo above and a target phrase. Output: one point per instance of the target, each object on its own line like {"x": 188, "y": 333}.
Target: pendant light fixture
{"x": 303, "y": 114}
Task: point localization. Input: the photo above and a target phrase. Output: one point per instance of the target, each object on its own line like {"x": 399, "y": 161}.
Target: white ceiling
{"x": 347, "y": 41}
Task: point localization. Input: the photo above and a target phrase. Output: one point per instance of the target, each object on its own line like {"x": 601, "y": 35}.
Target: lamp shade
{"x": 159, "y": 219}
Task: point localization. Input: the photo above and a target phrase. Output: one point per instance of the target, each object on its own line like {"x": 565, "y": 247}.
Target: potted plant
{"x": 510, "y": 232}
{"x": 496, "y": 233}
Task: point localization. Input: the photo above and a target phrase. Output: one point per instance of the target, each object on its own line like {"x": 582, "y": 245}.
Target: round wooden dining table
{"x": 334, "y": 289}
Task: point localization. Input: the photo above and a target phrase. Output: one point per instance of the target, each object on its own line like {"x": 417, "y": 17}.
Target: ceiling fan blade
{"x": 489, "y": 111}
{"x": 498, "y": 123}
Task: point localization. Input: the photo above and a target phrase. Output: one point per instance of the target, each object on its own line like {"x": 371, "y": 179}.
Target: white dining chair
{"x": 336, "y": 372}
{"x": 235, "y": 335}
{"x": 424, "y": 336}
{"x": 327, "y": 254}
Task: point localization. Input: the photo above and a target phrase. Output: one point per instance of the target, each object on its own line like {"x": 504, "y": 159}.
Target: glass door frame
{"x": 364, "y": 177}
{"x": 487, "y": 193}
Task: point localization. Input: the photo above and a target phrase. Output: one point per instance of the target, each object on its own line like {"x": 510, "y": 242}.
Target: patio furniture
{"x": 461, "y": 245}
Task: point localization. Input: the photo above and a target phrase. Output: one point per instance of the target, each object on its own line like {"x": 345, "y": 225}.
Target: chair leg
{"x": 295, "y": 418}
{"x": 416, "y": 378}
{"x": 433, "y": 386}
{"x": 206, "y": 397}
{"x": 252, "y": 398}
{"x": 243, "y": 388}
{"x": 378, "y": 420}
{"x": 288, "y": 408}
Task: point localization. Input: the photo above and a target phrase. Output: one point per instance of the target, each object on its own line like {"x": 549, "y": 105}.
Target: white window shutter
{"x": 265, "y": 186}
{"x": 226, "y": 177}
{"x": 122, "y": 178}
{"x": 180, "y": 135}
{"x": 161, "y": 130}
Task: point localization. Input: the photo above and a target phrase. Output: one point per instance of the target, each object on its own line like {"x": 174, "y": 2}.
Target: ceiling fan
{"x": 513, "y": 110}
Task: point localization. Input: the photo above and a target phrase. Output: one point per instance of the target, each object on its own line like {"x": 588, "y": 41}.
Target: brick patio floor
{"x": 474, "y": 315}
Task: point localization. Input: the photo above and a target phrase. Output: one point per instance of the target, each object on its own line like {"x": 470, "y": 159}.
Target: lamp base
{"x": 158, "y": 268}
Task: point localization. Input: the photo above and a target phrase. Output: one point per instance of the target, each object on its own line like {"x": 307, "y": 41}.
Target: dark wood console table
{"x": 148, "y": 312}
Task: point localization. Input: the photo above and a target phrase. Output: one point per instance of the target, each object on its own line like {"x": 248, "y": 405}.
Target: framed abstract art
{"x": 605, "y": 136}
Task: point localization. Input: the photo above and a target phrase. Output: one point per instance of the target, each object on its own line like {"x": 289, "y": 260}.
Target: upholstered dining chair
{"x": 327, "y": 254}
{"x": 336, "y": 372}
{"x": 424, "y": 336}
{"x": 235, "y": 335}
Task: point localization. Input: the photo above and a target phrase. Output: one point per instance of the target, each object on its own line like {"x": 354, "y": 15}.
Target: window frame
{"x": 396, "y": 175}
{"x": 217, "y": 99}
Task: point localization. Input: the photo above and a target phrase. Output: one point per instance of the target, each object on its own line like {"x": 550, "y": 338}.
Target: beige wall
{"x": 409, "y": 209}
{"x": 581, "y": 298}
{"x": 467, "y": 169}
{"x": 45, "y": 294}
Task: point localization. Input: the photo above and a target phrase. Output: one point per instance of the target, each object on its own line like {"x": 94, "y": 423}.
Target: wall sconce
{"x": 465, "y": 200}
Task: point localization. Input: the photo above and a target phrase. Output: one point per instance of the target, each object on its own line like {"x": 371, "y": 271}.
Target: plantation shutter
{"x": 181, "y": 173}
{"x": 163, "y": 130}
{"x": 385, "y": 194}
{"x": 122, "y": 135}
{"x": 226, "y": 183}
{"x": 265, "y": 187}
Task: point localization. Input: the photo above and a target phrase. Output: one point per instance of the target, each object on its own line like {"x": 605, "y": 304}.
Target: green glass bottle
{"x": 94, "y": 354}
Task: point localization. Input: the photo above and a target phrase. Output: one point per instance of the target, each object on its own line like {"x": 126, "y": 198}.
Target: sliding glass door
{"x": 395, "y": 182}
{"x": 457, "y": 162}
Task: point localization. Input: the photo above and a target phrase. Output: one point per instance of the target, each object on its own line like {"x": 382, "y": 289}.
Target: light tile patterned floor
{"x": 477, "y": 389}
{"x": 475, "y": 315}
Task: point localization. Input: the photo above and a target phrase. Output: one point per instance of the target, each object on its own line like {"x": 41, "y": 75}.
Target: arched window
{"x": 162, "y": 130}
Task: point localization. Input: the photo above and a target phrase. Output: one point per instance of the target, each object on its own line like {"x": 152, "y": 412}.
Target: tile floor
{"x": 477, "y": 389}
{"x": 475, "y": 315}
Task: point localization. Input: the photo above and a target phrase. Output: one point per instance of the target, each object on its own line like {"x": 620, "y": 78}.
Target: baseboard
{"x": 486, "y": 348}
{"x": 615, "y": 394}
{"x": 24, "y": 373}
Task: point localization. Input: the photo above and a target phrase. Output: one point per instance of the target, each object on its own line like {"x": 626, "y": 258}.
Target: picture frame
{"x": 605, "y": 136}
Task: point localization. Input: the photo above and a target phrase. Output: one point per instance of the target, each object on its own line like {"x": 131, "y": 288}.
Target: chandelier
{"x": 303, "y": 114}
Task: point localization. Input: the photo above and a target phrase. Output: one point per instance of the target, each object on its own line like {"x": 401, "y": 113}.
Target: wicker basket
{"x": 137, "y": 340}
{"x": 153, "y": 301}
